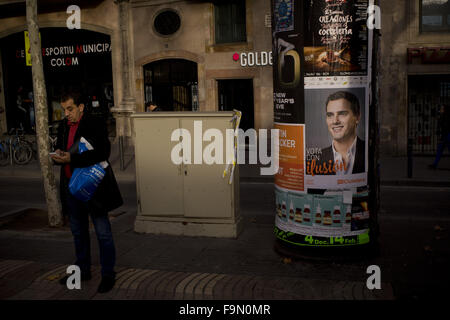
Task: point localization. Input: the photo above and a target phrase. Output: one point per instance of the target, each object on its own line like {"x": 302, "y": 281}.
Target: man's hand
{"x": 61, "y": 157}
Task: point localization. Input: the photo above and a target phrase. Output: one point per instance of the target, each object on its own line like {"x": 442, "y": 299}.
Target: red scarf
{"x": 73, "y": 129}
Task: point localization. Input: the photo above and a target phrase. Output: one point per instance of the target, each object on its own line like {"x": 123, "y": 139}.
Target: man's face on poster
{"x": 341, "y": 120}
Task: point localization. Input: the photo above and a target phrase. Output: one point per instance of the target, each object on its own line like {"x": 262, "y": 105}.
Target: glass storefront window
{"x": 74, "y": 59}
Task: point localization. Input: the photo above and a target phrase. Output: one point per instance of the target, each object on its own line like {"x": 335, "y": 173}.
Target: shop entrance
{"x": 172, "y": 84}
{"x": 238, "y": 94}
{"x": 78, "y": 59}
{"x": 427, "y": 93}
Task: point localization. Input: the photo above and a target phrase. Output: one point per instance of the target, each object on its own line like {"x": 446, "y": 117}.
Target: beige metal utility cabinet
{"x": 185, "y": 199}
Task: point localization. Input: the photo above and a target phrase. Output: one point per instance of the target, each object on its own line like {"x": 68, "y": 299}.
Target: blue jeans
{"x": 441, "y": 148}
{"x": 79, "y": 224}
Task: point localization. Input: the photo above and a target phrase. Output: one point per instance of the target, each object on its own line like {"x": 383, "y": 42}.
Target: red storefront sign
{"x": 429, "y": 55}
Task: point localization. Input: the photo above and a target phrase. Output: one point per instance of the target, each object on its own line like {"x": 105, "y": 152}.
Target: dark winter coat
{"x": 107, "y": 196}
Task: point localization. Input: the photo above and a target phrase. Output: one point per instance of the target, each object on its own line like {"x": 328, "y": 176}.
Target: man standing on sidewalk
{"x": 106, "y": 198}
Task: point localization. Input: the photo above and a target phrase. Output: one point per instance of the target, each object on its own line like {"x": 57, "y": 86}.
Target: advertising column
{"x": 322, "y": 82}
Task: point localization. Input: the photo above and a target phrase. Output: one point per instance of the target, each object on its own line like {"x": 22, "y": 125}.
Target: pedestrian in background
{"x": 151, "y": 107}
{"x": 444, "y": 127}
{"x": 21, "y": 112}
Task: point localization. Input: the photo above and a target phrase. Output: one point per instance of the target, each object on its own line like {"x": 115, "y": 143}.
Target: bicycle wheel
{"x": 22, "y": 153}
{"x": 33, "y": 148}
{"x": 4, "y": 155}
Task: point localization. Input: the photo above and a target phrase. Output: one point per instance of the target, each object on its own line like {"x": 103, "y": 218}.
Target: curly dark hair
{"x": 72, "y": 94}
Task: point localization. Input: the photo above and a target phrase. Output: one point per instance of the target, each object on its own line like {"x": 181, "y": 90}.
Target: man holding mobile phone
{"x": 107, "y": 197}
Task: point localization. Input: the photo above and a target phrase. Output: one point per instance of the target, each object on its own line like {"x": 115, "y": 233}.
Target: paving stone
{"x": 162, "y": 289}
{"x": 199, "y": 291}
{"x": 30, "y": 280}
{"x": 180, "y": 290}
{"x": 170, "y": 291}
{"x": 125, "y": 292}
{"x": 146, "y": 289}
{"x": 219, "y": 288}
{"x": 243, "y": 290}
{"x": 155, "y": 288}
{"x": 189, "y": 292}
{"x": 232, "y": 289}
{"x": 209, "y": 288}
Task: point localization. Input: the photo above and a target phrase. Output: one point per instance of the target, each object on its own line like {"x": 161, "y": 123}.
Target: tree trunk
{"x": 41, "y": 107}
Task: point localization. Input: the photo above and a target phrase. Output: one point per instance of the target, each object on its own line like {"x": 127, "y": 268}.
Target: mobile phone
{"x": 53, "y": 153}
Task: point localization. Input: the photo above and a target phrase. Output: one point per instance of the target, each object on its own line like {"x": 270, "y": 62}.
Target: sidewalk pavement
{"x": 153, "y": 266}
{"x": 175, "y": 267}
{"x": 394, "y": 171}
{"x": 28, "y": 280}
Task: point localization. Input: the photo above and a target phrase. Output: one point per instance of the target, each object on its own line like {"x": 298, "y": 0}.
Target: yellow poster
{"x": 27, "y": 48}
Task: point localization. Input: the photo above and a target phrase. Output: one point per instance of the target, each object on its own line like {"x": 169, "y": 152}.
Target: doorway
{"x": 172, "y": 84}
{"x": 238, "y": 94}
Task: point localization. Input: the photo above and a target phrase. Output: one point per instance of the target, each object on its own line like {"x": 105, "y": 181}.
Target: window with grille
{"x": 230, "y": 21}
{"x": 427, "y": 94}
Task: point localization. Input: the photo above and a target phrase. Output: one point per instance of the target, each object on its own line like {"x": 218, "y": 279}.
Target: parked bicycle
{"x": 19, "y": 150}
{"x": 15, "y": 148}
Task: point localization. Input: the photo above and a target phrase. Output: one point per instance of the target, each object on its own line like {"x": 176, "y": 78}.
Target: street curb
{"x": 269, "y": 180}
{"x": 257, "y": 179}
{"x": 416, "y": 183}
{"x": 7, "y": 217}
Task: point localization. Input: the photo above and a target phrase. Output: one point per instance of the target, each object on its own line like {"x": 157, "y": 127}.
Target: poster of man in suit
{"x": 336, "y": 145}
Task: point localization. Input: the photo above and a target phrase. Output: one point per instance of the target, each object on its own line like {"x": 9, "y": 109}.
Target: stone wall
{"x": 194, "y": 41}
{"x": 400, "y": 31}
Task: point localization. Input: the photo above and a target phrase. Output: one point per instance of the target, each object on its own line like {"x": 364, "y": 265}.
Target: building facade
{"x": 205, "y": 56}
{"x": 182, "y": 55}
{"x": 216, "y": 55}
{"x": 414, "y": 74}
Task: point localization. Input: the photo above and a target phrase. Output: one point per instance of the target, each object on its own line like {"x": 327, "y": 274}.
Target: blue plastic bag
{"x": 84, "y": 181}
